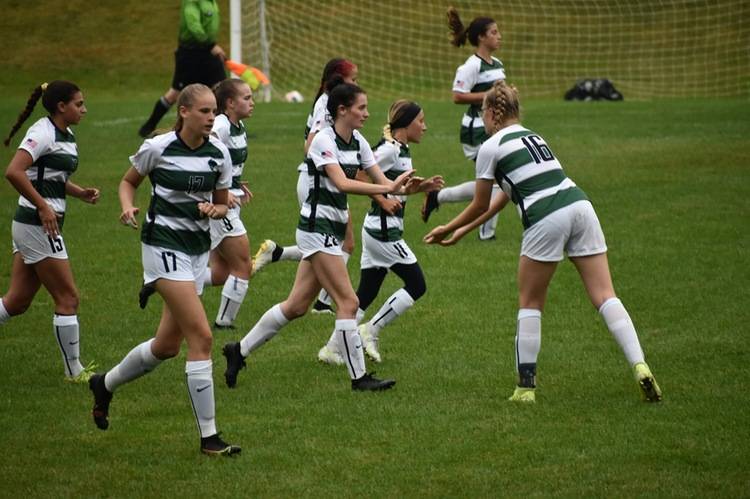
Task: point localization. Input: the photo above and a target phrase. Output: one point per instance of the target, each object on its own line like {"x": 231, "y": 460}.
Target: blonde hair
{"x": 187, "y": 98}
{"x": 502, "y": 98}
{"x": 394, "y": 113}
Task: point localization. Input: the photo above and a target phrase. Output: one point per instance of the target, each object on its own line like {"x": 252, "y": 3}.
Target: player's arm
{"x": 218, "y": 207}
{"x": 85, "y": 194}
{"x": 16, "y": 175}
{"x": 497, "y": 204}
{"x": 126, "y": 192}
{"x": 468, "y": 97}
{"x": 478, "y": 206}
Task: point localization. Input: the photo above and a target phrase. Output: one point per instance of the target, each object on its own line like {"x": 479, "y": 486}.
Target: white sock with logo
{"x": 139, "y": 361}
{"x": 396, "y": 304}
{"x": 333, "y": 342}
{"x": 290, "y": 253}
{"x": 350, "y": 347}
{"x": 457, "y": 193}
{"x": 4, "y": 315}
{"x": 528, "y": 344}
{"x": 232, "y": 296}
{"x": 200, "y": 384}
{"x": 68, "y": 340}
{"x": 622, "y": 328}
{"x": 265, "y": 329}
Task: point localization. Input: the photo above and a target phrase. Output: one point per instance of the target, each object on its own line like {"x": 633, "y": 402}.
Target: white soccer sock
{"x": 290, "y": 253}
{"x": 398, "y": 303}
{"x": 333, "y": 342}
{"x": 206, "y": 277}
{"x": 231, "y": 298}
{"x": 350, "y": 347}
{"x": 139, "y": 361}
{"x": 487, "y": 229}
{"x": 68, "y": 339}
{"x": 263, "y": 330}
{"x": 4, "y": 315}
{"x": 360, "y": 315}
{"x": 528, "y": 344}
{"x": 622, "y": 328}
{"x": 200, "y": 384}
{"x": 457, "y": 193}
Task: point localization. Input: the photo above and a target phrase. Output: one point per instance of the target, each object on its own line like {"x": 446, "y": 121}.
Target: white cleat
{"x": 328, "y": 355}
{"x": 370, "y": 341}
{"x": 264, "y": 256}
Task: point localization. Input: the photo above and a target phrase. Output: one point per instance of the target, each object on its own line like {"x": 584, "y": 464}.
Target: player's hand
{"x": 412, "y": 185}
{"x": 436, "y": 235}
{"x": 217, "y": 51}
{"x": 434, "y": 183}
{"x": 232, "y": 200}
{"x": 247, "y": 195}
{"x": 90, "y": 195}
{"x": 49, "y": 218}
{"x": 457, "y": 235}
{"x": 127, "y": 217}
{"x": 397, "y": 184}
{"x": 211, "y": 210}
{"x": 389, "y": 205}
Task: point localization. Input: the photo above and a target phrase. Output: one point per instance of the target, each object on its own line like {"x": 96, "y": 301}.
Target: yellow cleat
{"x": 650, "y": 391}
{"x": 264, "y": 256}
{"x": 83, "y": 376}
{"x": 525, "y": 395}
{"x": 370, "y": 342}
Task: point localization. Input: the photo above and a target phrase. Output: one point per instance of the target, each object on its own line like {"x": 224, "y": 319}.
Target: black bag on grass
{"x": 593, "y": 89}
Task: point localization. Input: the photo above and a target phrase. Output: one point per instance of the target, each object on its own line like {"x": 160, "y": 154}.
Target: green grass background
{"x": 670, "y": 180}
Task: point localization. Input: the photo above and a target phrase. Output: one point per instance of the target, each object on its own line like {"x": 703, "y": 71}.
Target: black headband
{"x": 410, "y": 112}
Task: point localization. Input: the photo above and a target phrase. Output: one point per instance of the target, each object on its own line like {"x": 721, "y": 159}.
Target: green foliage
{"x": 670, "y": 182}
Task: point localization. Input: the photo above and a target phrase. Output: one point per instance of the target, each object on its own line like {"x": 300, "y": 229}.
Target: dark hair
{"x": 51, "y": 93}
{"x": 459, "y": 33}
{"x": 334, "y": 73}
{"x": 226, "y": 89}
{"x": 342, "y": 95}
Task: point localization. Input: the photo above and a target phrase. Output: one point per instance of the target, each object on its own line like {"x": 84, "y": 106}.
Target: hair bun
{"x": 44, "y": 86}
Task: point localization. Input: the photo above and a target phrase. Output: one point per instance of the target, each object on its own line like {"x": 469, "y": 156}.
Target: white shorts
{"x": 229, "y": 226}
{"x": 173, "y": 265}
{"x": 471, "y": 151}
{"x": 35, "y": 245}
{"x": 310, "y": 243}
{"x": 303, "y": 186}
{"x": 573, "y": 229}
{"x": 384, "y": 254}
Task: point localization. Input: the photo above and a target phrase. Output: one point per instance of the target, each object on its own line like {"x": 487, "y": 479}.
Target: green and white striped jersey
{"x": 325, "y": 210}
{"x": 181, "y": 178}
{"x": 393, "y": 158}
{"x": 475, "y": 75}
{"x": 54, "y": 155}
{"x": 318, "y": 119}
{"x": 527, "y": 171}
{"x": 235, "y": 138}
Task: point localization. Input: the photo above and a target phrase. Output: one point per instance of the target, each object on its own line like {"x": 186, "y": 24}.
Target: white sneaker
{"x": 370, "y": 341}
{"x": 264, "y": 255}
{"x": 328, "y": 355}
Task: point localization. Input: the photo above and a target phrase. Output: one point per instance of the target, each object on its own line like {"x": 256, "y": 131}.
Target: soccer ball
{"x": 293, "y": 96}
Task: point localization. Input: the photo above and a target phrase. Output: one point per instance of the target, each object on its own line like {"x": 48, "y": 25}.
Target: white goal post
{"x": 648, "y": 48}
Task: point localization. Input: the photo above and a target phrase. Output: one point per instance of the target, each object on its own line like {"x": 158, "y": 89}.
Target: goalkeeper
{"x": 198, "y": 58}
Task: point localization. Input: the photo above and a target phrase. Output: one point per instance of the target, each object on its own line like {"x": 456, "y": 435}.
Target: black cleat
{"x": 322, "y": 308}
{"x": 102, "y": 398}
{"x": 429, "y": 205}
{"x": 235, "y": 362}
{"x": 370, "y": 383}
{"x": 215, "y": 446}
{"x": 223, "y": 327}
{"x": 145, "y": 293}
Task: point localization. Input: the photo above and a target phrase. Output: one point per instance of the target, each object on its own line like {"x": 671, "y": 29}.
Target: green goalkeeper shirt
{"x": 199, "y": 22}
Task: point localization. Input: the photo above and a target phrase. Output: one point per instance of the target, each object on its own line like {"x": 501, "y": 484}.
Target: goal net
{"x": 647, "y": 48}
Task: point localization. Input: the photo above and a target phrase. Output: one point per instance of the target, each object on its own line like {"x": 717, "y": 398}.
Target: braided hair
{"x": 502, "y": 98}
{"x": 51, "y": 94}
{"x": 459, "y": 33}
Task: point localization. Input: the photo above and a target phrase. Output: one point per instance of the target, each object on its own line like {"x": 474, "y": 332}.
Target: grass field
{"x": 670, "y": 181}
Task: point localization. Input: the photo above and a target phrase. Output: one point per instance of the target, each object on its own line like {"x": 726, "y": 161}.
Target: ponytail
{"x": 51, "y": 94}
{"x": 459, "y": 33}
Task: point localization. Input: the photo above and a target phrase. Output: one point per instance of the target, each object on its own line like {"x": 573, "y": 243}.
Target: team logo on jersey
{"x": 327, "y": 154}
{"x": 212, "y": 164}
{"x": 31, "y": 143}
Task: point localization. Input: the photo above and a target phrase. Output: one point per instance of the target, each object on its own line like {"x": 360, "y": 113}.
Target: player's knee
{"x": 15, "y": 306}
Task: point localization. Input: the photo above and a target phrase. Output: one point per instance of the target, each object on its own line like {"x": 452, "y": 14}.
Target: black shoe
{"x": 146, "y": 130}
{"x": 370, "y": 383}
{"x": 145, "y": 293}
{"x": 429, "y": 205}
{"x": 235, "y": 362}
{"x": 215, "y": 446}
{"x": 322, "y": 308}
{"x": 223, "y": 327}
{"x": 102, "y": 398}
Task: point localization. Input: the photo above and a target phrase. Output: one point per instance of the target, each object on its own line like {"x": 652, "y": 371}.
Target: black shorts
{"x": 196, "y": 65}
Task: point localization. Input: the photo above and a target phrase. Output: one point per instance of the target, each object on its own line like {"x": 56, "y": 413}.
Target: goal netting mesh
{"x": 647, "y": 48}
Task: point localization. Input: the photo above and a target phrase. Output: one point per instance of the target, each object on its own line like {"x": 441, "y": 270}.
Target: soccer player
{"x": 383, "y": 246}
{"x": 472, "y": 80}
{"x": 229, "y": 261}
{"x": 40, "y": 171}
{"x": 198, "y": 58}
{"x": 335, "y": 72}
{"x": 335, "y": 156}
{"x": 557, "y": 218}
{"x": 190, "y": 172}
